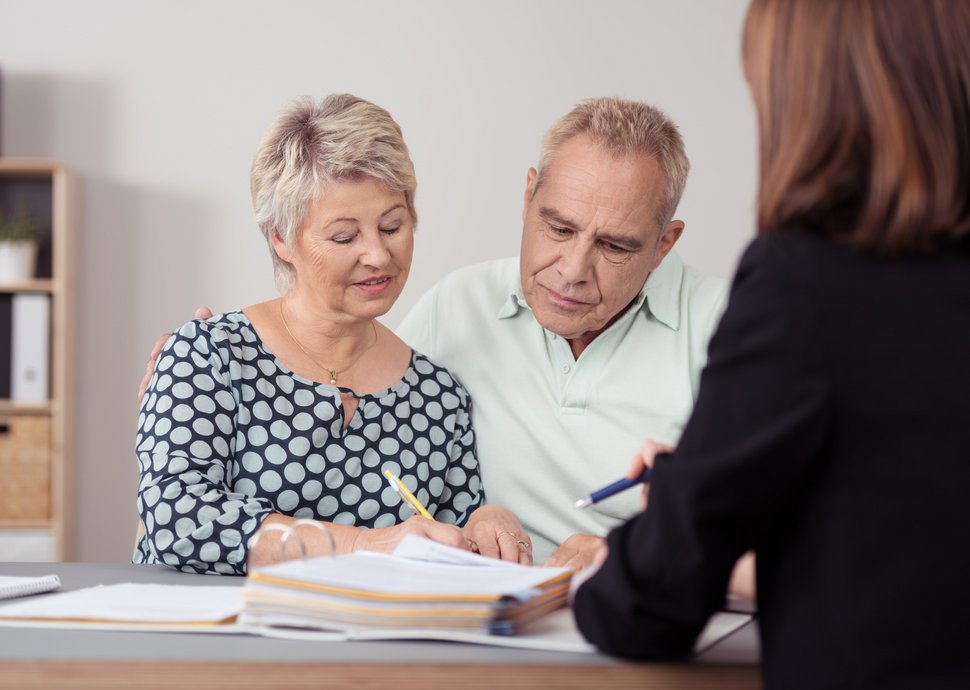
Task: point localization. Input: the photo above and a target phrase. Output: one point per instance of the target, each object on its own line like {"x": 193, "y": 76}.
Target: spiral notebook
{"x": 13, "y": 587}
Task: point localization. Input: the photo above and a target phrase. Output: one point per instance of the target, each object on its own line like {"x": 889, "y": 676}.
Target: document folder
{"x": 364, "y": 590}
{"x": 30, "y": 356}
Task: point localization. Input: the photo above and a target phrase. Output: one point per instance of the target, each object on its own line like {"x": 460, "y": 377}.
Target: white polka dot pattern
{"x": 228, "y": 435}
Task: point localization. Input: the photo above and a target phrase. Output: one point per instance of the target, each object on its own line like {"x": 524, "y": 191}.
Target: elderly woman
{"x": 294, "y": 408}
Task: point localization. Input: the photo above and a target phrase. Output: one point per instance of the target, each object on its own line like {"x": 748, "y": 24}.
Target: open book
{"x": 421, "y": 585}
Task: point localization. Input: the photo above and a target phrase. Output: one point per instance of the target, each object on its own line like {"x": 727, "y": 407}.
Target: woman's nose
{"x": 375, "y": 251}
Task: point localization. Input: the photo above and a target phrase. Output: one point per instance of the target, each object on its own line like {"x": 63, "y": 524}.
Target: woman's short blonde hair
{"x": 312, "y": 144}
{"x": 625, "y": 128}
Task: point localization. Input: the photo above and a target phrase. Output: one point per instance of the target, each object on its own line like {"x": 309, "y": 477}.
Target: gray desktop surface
{"x": 25, "y": 644}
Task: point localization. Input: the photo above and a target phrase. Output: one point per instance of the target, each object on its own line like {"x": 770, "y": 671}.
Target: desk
{"x": 58, "y": 658}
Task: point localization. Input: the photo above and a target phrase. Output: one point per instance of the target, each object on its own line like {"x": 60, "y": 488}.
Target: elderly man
{"x": 591, "y": 340}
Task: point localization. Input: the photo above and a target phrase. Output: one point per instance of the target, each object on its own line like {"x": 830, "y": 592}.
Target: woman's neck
{"x": 333, "y": 345}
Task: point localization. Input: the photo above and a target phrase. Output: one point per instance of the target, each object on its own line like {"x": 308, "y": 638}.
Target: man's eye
{"x": 560, "y": 232}
{"x": 614, "y": 248}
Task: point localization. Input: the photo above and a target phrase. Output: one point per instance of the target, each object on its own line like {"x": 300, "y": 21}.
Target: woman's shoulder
{"x": 228, "y": 328}
{"x": 790, "y": 244}
{"x": 799, "y": 258}
{"x": 781, "y": 276}
{"x": 431, "y": 377}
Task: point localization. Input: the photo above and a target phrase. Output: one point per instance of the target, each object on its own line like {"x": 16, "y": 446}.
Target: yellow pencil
{"x": 406, "y": 495}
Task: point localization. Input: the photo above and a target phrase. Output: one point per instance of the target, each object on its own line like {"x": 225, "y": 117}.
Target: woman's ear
{"x": 279, "y": 246}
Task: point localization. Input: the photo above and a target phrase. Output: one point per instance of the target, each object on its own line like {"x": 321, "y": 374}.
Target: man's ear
{"x": 530, "y": 189}
{"x": 280, "y": 247}
{"x": 668, "y": 238}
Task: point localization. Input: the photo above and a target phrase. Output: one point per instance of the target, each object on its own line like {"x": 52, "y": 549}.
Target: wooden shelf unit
{"x": 37, "y": 439}
{"x": 45, "y": 285}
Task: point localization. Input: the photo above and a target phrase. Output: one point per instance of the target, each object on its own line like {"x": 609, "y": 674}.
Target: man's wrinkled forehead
{"x": 585, "y": 181}
{"x": 589, "y": 147}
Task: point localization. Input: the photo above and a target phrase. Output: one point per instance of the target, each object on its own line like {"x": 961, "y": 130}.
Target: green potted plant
{"x": 18, "y": 246}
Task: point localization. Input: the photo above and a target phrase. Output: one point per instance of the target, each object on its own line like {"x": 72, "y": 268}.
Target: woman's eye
{"x": 390, "y": 231}
{"x": 343, "y": 239}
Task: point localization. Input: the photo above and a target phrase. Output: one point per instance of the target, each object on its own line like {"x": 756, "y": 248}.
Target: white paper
{"x": 555, "y": 632}
{"x": 384, "y": 574}
{"x": 421, "y": 549}
{"x": 718, "y": 627}
{"x": 133, "y": 603}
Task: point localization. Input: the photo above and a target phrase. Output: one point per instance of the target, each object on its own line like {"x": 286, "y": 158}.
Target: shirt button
{"x": 565, "y": 368}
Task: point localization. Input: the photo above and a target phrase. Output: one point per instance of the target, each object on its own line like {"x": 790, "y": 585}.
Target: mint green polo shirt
{"x": 551, "y": 428}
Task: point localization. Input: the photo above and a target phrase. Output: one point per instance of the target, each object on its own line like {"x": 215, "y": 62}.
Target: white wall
{"x": 158, "y": 106}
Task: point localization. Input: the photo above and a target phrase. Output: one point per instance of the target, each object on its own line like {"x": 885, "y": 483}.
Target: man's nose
{"x": 575, "y": 263}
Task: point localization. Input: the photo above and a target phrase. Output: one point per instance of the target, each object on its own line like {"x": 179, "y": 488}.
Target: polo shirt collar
{"x": 660, "y": 296}
{"x": 662, "y": 292}
{"x": 514, "y": 300}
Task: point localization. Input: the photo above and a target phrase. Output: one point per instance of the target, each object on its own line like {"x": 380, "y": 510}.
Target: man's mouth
{"x": 565, "y": 301}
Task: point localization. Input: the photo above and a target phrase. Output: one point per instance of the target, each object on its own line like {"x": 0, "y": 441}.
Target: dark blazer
{"x": 832, "y": 435}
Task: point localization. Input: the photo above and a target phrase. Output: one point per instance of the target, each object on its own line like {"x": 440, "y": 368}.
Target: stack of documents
{"x": 424, "y": 591}
{"x": 422, "y": 585}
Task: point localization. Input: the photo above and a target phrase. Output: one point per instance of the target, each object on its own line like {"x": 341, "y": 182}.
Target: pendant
{"x": 333, "y": 377}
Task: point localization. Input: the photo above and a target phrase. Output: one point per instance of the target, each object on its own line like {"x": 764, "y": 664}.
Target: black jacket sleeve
{"x": 758, "y": 427}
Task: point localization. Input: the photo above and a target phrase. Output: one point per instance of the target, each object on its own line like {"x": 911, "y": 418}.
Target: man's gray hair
{"x": 625, "y": 128}
{"x": 312, "y": 144}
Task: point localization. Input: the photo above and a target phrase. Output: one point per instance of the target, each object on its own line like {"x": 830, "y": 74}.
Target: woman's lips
{"x": 374, "y": 286}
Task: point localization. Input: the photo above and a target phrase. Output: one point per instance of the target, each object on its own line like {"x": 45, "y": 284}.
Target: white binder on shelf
{"x": 30, "y": 349}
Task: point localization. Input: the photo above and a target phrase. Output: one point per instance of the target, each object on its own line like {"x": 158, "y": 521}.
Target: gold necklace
{"x": 333, "y": 372}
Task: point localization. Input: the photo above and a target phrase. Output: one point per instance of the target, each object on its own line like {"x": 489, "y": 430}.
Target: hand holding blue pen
{"x": 621, "y": 484}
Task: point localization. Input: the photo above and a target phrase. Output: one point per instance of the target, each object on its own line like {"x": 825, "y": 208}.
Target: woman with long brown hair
{"x": 831, "y": 432}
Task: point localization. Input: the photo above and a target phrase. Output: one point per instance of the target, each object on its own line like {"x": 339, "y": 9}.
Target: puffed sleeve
{"x": 463, "y": 491}
{"x": 759, "y": 424}
{"x": 193, "y": 519}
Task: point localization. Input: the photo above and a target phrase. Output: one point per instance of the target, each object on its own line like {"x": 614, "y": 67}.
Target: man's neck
{"x": 581, "y": 342}
{"x": 577, "y": 345}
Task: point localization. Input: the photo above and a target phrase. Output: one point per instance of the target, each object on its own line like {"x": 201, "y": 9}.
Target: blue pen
{"x": 616, "y": 487}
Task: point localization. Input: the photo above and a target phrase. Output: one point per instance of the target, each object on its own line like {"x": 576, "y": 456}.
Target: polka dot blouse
{"x": 228, "y": 435}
